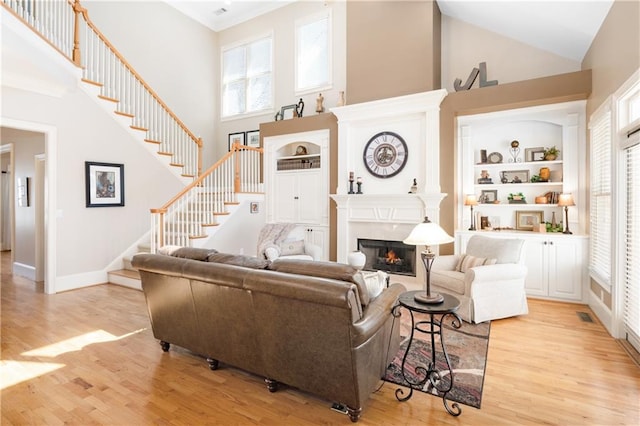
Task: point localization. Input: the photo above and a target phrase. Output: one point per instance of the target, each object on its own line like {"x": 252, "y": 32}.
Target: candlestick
{"x": 359, "y": 183}
{"x": 351, "y": 176}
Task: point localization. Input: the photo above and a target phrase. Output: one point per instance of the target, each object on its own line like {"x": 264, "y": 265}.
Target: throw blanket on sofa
{"x": 272, "y": 234}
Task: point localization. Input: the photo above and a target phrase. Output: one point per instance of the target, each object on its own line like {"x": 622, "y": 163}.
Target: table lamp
{"x": 471, "y": 200}
{"x": 566, "y": 200}
{"x": 428, "y": 234}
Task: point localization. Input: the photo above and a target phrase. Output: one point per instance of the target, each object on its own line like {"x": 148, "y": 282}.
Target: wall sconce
{"x": 566, "y": 200}
{"x": 471, "y": 200}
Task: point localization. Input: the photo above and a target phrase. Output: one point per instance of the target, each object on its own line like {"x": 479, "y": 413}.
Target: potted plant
{"x": 551, "y": 154}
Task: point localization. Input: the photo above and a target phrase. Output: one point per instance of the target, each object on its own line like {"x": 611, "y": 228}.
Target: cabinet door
{"x": 285, "y": 201}
{"x": 312, "y": 201}
{"x": 535, "y": 255}
{"x": 319, "y": 236}
{"x": 565, "y": 269}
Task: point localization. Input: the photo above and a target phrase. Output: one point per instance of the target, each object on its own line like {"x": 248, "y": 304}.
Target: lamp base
{"x": 434, "y": 299}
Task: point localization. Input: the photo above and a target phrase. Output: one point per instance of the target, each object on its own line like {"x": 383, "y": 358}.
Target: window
{"x": 313, "y": 53}
{"x": 247, "y": 78}
{"x": 600, "y": 220}
{"x": 628, "y": 113}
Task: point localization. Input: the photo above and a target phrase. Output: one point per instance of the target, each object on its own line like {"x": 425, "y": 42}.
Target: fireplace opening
{"x": 394, "y": 257}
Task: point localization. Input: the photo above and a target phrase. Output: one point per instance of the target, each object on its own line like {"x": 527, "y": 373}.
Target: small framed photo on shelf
{"x": 289, "y": 111}
{"x": 237, "y": 137}
{"x": 528, "y": 220}
{"x": 534, "y": 154}
{"x": 104, "y": 184}
{"x": 253, "y": 139}
{"x": 488, "y": 196}
{"x": 515, "y": 176}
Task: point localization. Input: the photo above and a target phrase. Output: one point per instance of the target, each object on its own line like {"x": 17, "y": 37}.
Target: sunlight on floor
{"x": 77, "y": 343}
{"x": 13, "y": 372}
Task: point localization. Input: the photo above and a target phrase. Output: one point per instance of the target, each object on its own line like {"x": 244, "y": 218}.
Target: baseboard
{"x": 23, "y": 270}
{"x": 602, "y": 312}
{"x": 87, "y": 279}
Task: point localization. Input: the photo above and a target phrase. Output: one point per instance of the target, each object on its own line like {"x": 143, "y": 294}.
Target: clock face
{"x": 385, "y": 154}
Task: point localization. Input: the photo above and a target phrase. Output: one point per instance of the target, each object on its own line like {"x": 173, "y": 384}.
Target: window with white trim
{"x": 600, "y": 197}
{"x": 313, "y": 53}
{"x": 247, "y": 78}
{"x": 628, "y": 113}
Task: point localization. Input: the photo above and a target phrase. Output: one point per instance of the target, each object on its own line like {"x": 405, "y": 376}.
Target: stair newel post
{"x": 157, "y": 228}
{"x": 199, "y": 160}
{"x": 77, "y": 9}
{"x": 236, "y": 154}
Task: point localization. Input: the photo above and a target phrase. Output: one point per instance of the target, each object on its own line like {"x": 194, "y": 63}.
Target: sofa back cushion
{"x": 194, "y": 253}
{"x": 331, "y": 270}
{"x": 504, "y": 250}
{"x": 238, "y": 260}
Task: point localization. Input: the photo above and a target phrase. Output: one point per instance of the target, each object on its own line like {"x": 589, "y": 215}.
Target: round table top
{"x": 448, "y": 306}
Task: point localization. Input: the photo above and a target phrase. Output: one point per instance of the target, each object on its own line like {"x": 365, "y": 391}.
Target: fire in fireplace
{"x": 394, "y": 257}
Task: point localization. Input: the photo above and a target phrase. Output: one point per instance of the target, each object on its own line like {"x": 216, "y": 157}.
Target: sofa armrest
{"x": 446, "y": 262}
{"x": 494, "y": 273}
{"x": 376, "y": 314}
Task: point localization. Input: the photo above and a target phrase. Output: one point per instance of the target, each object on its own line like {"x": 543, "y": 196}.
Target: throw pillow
{"x": 291, "y": 247}
{"x": 467, "y": 261}
{"x": 239, "y": 260}
{"x": 168, "y": 250}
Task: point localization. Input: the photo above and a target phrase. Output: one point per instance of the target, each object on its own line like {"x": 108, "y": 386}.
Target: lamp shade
{"x": 428, "y": 233}
{"x": 470, "y": 200}
{"x": 566, "y": 200}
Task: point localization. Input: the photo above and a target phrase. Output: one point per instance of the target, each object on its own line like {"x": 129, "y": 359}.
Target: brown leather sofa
{"x": 301, "y": 323}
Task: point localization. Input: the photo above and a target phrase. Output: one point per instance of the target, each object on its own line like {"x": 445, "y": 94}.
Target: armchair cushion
{"x": 467, "y": 261}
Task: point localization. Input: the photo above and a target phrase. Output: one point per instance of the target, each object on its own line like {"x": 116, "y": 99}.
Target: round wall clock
{"x": 385, "y": 154}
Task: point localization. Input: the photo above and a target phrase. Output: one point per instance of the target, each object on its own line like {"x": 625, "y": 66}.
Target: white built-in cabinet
{"x": 296, "y": 180}
{"x": 556, "y": 262}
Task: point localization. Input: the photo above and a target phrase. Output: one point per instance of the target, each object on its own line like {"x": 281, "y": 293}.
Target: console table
{"x": 433, "y": 327}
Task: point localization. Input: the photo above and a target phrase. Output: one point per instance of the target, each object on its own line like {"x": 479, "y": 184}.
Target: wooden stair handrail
{"x": 83, "y": 11}
{"x": 235, "y": 148}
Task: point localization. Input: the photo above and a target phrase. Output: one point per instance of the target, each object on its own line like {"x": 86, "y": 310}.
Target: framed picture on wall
{"x": 253, "y": 138}
{"x": 104, "y": 184}
{"x": 528, "y": 220}
{"x": 237, "y": 137}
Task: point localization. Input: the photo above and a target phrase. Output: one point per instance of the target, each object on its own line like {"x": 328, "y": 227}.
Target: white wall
{"x": 465, "y": 45}
{"x": 174, "y": 54}
{"x": 90, "y": 238}
{"x": 282, "y": 23}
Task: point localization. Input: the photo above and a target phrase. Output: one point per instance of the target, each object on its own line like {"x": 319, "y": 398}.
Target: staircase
{"x": 209, "y": 198}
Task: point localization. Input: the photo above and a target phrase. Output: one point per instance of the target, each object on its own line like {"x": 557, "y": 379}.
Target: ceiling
{"x": 563, "y": 27}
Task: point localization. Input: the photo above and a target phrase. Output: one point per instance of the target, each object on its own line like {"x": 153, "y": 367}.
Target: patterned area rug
{"x": 467, "y": 348}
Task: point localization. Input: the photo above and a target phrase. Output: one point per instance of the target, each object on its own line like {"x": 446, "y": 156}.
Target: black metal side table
{"x": 431, "y": 373}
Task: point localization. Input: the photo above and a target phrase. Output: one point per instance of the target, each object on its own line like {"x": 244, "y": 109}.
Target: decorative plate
{"x": 495, "y": 158}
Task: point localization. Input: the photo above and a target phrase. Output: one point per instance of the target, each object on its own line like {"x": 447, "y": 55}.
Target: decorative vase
{"x": 357, "y": 259}
{"x": 341, "y": 101}
{"x": 550, "y": 157}
{"x": 545, "y": 173}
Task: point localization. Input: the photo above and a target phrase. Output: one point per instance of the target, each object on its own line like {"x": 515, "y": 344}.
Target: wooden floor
{"x": 88, "y": 357}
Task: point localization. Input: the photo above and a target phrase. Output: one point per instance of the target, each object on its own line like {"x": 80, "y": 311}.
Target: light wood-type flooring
{"x": 88, "y": 357}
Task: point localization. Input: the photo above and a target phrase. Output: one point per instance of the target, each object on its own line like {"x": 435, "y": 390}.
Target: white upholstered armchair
{"x": 488, "y": 278}
{"x": 286, "y": 241}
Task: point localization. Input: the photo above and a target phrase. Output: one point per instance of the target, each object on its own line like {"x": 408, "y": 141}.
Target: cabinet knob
{"x": 545, "y": 243}
{"x": 550, "y": 243}
{"x": 296, "y": 198}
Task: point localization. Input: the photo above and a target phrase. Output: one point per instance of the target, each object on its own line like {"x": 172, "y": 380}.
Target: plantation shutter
{"x": 632, "y": 240}
{"x": 600, "y": 197}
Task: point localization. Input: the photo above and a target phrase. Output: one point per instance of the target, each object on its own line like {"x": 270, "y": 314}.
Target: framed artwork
{"x": 253, "y": 138}
{"x": 253, "y": 207}
{"x": 528, "y": 220}
{"x": 488, "y": 196}
{"x": 23, "y": 191}
{"x": 534, "y": 154}
{"x": 237, "y": 137}
{"x": 289, "y": 111}
{"x": 104, "y": 184}
{"x": 516, "y": 176}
